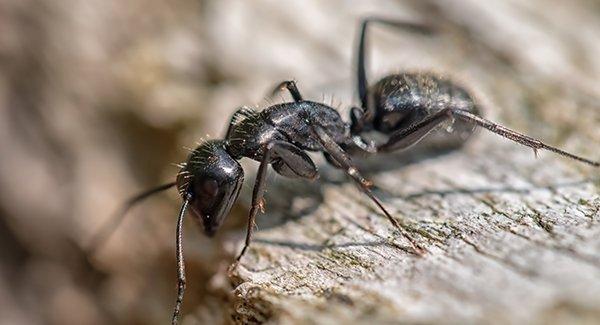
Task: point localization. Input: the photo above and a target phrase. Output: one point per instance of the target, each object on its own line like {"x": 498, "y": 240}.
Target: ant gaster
{"x": 406, "y": 107}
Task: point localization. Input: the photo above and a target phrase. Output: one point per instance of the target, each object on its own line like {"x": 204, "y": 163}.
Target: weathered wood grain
{"x": 522, "y": 252}
{"x": 510, "y": 238}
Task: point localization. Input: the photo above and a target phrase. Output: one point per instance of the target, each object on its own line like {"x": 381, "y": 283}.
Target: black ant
{"x": 406, "y": 107}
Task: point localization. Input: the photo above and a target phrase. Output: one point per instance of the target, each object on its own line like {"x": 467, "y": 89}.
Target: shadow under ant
{"x": 319, "y": 247}
{"x": 506, "y": 189}
{"x": 298, "y": 198}
{"x": 282, "y": 208}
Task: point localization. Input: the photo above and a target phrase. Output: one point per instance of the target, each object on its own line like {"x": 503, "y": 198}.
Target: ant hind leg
{"x": 367, "y": 114}
{"x": 404, "y": 138}
{"x": 517, "y": 137}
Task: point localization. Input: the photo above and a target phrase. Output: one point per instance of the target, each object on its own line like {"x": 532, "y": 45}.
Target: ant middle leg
{"x": 288, "y": 160}
{"x": 342, "y": 160}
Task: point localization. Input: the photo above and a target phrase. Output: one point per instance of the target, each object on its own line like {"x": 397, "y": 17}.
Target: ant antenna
{"x": 180, "y": 260}
{"x": 112, "y": 224}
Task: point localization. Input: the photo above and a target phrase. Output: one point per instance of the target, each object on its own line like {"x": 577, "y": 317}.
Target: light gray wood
{"x": 510, "y": 238}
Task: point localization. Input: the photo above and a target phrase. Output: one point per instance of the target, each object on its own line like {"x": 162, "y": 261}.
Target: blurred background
{"x": 98, "y": 99}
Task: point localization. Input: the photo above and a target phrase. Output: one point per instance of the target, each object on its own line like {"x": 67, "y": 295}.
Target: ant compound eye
{"x": 209, "y": 188}
{"x": 215, "y": 180}
{"x": 213, "y": 199}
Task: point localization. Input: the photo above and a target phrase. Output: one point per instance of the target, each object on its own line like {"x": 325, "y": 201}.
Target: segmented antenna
{"x": 113, "y": 223}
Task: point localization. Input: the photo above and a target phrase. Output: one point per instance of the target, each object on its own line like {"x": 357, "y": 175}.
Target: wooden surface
{"x": 505, "y": 244}
{"x": 510, "y": 238}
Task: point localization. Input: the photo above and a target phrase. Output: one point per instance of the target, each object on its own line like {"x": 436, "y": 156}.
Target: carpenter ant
{"x": 405, "y": 107}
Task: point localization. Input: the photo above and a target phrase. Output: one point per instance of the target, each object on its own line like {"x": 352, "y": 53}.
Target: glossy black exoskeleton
{"x": 408, "y": 106}
{"x": 213, "y": 179}
{"x": 403, "y": 107}
{"x": 398, "y": 101}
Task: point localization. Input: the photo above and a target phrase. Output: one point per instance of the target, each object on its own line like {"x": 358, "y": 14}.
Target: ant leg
{"x": 180, "y": 261}
{"x": 362, "y": 83}
{"x": 235, "y": 118}
{"x": 343, "y": 161}
{"x": 291, "y": 162}
{"x": 409, "y": 136}
{"x": 111, "y": 225}
{"x": 359, "y": 119}
{"x": 290, "y": 85}
{"x": 257, "y": 197}
{"x": 515, "y": 136}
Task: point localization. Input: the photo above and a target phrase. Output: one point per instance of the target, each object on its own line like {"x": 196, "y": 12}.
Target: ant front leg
{"x": 289, "y": 161}
{"x": 342, "y": 160}
{"x": 257, "y": 198}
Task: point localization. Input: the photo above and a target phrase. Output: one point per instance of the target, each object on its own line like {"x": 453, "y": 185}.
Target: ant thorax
{"x": 286, "y": 122}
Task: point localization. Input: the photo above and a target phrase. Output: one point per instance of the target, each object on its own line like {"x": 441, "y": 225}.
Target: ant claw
{"x": 232, "y": 268}
{"x": 420, "y": 251}
{"x": 261, "y": 205}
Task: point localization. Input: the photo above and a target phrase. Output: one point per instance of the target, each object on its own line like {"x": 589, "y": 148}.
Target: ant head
{"x": 213, "y": 179}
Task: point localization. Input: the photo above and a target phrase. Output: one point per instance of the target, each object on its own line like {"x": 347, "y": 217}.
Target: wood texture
{"x": 510, "y": 238}
{"x": 522, "y": 252}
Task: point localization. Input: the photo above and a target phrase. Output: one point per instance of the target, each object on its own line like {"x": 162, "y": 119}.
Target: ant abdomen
{"x": 401, "y": 100}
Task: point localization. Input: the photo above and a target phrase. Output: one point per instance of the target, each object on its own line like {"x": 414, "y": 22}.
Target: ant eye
{"x": 209, "y": 188}
{"x": 207, "y": 194}
{"x": 213, "y": 199}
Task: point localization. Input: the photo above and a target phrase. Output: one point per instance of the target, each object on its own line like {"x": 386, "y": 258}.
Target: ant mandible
{"x": 405, "y": 107}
